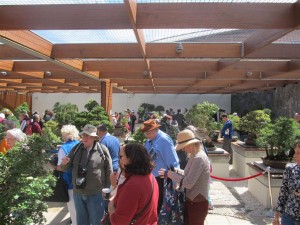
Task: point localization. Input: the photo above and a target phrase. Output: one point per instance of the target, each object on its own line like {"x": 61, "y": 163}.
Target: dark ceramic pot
{"x": 276, "y": 164}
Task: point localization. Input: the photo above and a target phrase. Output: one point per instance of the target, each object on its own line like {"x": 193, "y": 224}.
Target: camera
{"x": 80, "y": 180}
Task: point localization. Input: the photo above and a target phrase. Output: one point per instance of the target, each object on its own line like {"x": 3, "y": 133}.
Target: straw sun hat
{"x": 184, "y": 138}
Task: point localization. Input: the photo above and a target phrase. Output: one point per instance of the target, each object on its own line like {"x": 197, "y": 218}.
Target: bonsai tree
{"x": 201, "y": 116}
{"x": 159, "y": 108}
{"x": 235, "y": 119}
{"x": 94, "y": 115}
{"x": 139, "y": 137}
{"x": 24, "y": 183}
{"x": 278, "y": 138}
{"x": 53, "y": 126}
{"x": 65, "y": 113}
{"x": 23, "y": 107}
{"x": 253, "y": 122}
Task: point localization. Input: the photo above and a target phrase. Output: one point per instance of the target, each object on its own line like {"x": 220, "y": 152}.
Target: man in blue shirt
{"x": 227, "y": 135}
{"x": 161, "y": 148}
{"x": 112, "y": 143}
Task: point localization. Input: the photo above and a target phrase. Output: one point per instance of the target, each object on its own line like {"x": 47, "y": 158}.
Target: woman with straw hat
{"x": 194, "y": 178}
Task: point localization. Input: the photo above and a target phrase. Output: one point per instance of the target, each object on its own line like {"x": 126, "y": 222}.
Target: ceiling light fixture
{"x": 4, "y": 73}
{"x": 147, "y": 74}
{"x": 179, "y": 48}
{"x": 48, "y": 74}
{"x": 249, "y": 74}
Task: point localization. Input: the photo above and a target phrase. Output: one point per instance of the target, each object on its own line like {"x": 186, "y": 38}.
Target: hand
{"x": 111, "y": 207}
{"x": 65, "y": 160}
{"x": 276, "y": 222}
{"x": 162, "y": 172}
{"x": 113, "y": 179}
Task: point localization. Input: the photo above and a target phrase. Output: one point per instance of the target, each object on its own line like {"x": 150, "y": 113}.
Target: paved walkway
{"x": 233, "y": 205}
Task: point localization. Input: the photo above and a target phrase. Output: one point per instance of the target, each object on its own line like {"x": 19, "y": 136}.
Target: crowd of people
{"x": 94, "y": 159}
{"x": 18, "y": 129}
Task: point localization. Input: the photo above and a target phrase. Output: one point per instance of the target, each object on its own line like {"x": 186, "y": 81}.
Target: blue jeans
{"x": 288, "y": 220}
{"x": 89, "y": 209}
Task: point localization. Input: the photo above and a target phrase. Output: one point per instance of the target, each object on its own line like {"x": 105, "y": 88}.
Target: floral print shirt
{"x": 289, "y": 195}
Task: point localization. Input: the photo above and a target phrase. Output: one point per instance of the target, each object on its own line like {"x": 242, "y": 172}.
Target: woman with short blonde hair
{"x": 70, "y": 136}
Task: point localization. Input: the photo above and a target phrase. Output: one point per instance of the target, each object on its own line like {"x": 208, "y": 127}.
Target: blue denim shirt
{"x": 163, "y": 152}
{"x": 113, "y": 145}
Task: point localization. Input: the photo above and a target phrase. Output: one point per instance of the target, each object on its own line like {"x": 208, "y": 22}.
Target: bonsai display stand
{"x": 259, "y": 186}
{"x": 243, "y": 154}
{"x": 219, "y": 160}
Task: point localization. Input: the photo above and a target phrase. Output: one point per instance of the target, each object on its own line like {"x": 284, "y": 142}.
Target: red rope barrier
{"x": 236, "y": 179}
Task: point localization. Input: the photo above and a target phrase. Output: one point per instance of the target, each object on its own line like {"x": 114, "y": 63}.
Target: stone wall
{"x": 283, "y": 101}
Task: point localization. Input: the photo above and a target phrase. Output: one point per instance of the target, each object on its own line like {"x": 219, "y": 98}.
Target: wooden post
{"x": 106, "y": 96}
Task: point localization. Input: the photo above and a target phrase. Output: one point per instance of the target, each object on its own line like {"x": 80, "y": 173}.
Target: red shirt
{"x": 131, "y": 198}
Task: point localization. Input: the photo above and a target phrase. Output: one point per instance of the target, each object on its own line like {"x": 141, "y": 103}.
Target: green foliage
{"x": 159, "y": 108}
{"x": 95, "y": 115}
{"x": 90, "y": 105}
{"x": 254, "y": 121}
{"x": 139, "y": 137}
{"x": 65, "y": 113}
{"x": 53, "y": 125}
{"x": 278, "y": 137}
{"x": 23, "y": 107}
{"x": 24, "y": 182}
{"x": 50, "y": 139}
{"x": 201, "y": 116}
{"x": 145, "y": 108}
{"x": 2, "y": 133}
{"x": 235, "y": 121}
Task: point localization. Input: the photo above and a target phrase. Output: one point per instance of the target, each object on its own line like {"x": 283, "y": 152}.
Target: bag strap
{"x": 145, "y": 207}
{"x": 75, "y": 152}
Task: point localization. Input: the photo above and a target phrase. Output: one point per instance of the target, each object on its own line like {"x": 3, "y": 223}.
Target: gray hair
{"x": 69, "y": 132}
{"x": 17, "y": 134}
{"x": 9, "y": 124}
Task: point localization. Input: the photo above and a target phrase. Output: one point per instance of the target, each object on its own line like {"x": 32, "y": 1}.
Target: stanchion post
{"x": 271, "y": 212}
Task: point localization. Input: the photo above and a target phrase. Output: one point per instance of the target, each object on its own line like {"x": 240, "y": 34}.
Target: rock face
{"x": 283, "y": 101}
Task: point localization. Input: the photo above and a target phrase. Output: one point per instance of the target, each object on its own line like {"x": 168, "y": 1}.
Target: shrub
{"x": 201, "y": 116}
{"x": 278, "y": 138}
{"x": 95, "y": 115}
{"x": 65, "y": 113}
{"x": 254, "y": 121}
{"x": 23, "y": 107}
{"x": 24, "y": 183}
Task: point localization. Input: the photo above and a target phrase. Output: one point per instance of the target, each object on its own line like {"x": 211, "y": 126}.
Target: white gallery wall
{"x": 121, "y": 102}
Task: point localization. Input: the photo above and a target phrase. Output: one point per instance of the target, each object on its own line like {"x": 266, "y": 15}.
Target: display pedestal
{"x": 219, "y": 160}
{"x": 243, "y": 154}
{"x": 259, "y": 186}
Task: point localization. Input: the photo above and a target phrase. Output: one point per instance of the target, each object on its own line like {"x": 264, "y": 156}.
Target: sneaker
{"x": 210, "y": 207}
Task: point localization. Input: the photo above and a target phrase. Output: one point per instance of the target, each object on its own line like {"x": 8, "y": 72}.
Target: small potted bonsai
{"x": 253, "y": 122}
{"x": 278, "y": 139}
{"x": 201, "y": 116}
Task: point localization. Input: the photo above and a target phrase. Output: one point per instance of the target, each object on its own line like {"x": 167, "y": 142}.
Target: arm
{"x": 168, "y": 153}
{"x": 192, "y": 177}
{"x": 61, "y": 154}
{"x": 108, "y": 167}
